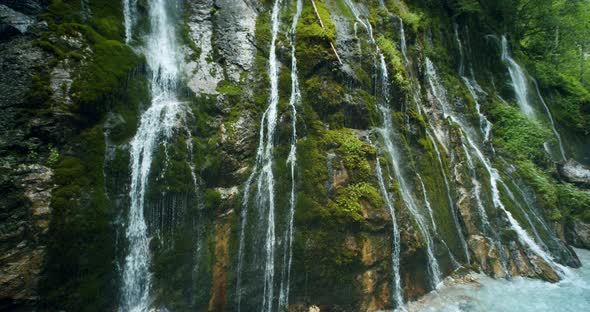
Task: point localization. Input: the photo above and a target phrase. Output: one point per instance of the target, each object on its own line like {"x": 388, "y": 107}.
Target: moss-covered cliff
{"x": 421, "y": 78}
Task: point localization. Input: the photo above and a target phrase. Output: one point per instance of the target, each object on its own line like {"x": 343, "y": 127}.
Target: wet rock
{"x": 486, "y": 255}
{"x": 204, "y": 71}
{"x": 578, "y": 234}
{"x": 235, "y": 22}
{"x": 545, "y": 270}
{"x": 25, "y": 195}
{"x": 61, "y": 83}
{"x": 29, "y": 7}
{"x": 13, "y": 22}
{"x": 574, "y": 172}
{"x": 221, "y": 266}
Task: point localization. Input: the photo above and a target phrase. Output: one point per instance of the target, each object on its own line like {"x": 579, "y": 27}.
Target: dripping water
{"x": 495, "y": 179}
{"x": 262, "y": 174}
{"x": 519, "y": 81}
{"x": 292, "y": 162}
{"x": 551, "y": 121}
{"x": 157, "y": 125}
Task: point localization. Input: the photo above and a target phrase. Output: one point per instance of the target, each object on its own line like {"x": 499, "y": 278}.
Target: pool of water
{"x": 481, "y": 293}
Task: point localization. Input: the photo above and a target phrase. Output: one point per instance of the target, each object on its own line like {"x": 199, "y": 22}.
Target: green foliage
{"x": 574, "y": 201}
{"x": 466, "y": 6}
{"x": 53, "y": 156}
{"x": 212, "y": 199}
{"x": 570, "y": 100}
{"x": 540, "y": 181}
{"x": 516, "y": 135}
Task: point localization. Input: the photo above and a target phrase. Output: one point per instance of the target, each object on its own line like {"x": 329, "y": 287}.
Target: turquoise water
{"x": 518, "y": 295}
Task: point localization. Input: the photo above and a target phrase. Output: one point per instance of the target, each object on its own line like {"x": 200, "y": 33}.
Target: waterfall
{"x": 471, "y": 149}
{"x": 262, "y": 173}
{"x": 519, "y": 81}
{"x": 551, "y": 122}
{"x": 129, "y": 15}
{"x": 292, "y": 162}
{"x": 387, "y": 134}
{"x": 416, "y": 96}
{"x": 449, "y": 198}
{"x": 460, "y": 47}
{"x": 157, "y": 125}
{"x": 398, "y": 296}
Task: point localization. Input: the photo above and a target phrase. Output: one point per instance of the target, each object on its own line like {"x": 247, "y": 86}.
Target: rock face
{"x": 25, "y": 181}
{"x": 25, "y": 221}
{"x": 578, "y": 234}
{"x": 68, "y": 137}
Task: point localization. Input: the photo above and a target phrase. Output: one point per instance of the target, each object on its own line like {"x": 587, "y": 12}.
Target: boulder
{"x": 574, "y": 172}
{"x": 578, "y": 234}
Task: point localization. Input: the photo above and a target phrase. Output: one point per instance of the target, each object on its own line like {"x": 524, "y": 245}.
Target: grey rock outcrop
{"x": 578, "y": 234}
{"x": 25, "y": 200}
{"x": 13, "y": 22}
{"x": 574, "y": 172}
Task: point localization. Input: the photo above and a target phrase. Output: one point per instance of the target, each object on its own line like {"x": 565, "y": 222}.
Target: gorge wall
{"x": 327, "y": 155}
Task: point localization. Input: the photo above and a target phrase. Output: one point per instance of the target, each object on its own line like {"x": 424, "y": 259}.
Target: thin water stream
{"x": 157, "y": 125}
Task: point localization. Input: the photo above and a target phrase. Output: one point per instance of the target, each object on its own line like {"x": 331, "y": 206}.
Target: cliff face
{"x": 25, "y": 144}
{"x": 313, "y": 155}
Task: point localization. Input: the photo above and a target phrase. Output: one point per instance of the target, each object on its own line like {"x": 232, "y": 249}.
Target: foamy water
{"x": 518, "y": 295}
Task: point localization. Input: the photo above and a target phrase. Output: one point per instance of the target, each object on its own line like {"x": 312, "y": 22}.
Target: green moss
{"x": 540, "y": 180}
{"x": 212, "y": 199}
{"x": 230, "y": 89}
{"x": 110, "y": 67}
{"x": 313, "y": 42}
{"x": 80, "y": 243}
{"x": 348, "y": 203}
{"x": 517, "y": 136}
{"x": 356, "y": 154}
{"x": 393, "y": 55}
{"x": 574, "y": 202}
{"x": 49, "y": 47}
{"x": 324, "y": 94}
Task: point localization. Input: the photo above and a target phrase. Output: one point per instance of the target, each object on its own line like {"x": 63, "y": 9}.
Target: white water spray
{"x": 519, "y": 81}
{"x": 263, "y": 174}
{"x": 157, "y": 125}
{"x": 292, "y": 162}
{"x": 129, "y": 18}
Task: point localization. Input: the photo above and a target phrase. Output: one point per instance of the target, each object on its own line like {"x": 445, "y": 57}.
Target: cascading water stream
{"x": 157, "y": 125}
{"x": 398, "y": 296}
{"x": 551, "y": 121}
{"x": 129, "y": 14}
{"x": 495, "y": 179}
{"x": 415, "y": 90}
{"x": 263, "y": 174}
{"x": 292, "y": 162}
{"x": 387, "y": 134}
{"x": 519, "y": 81}
{"x": 449, "y": 198}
